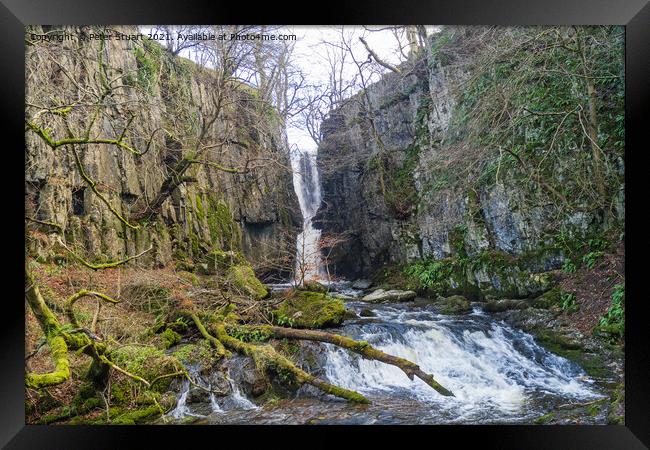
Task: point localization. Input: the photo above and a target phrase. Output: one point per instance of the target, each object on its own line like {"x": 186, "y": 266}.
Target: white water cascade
{"x": 306, "y": 183}
{"x": 494, "y": 371}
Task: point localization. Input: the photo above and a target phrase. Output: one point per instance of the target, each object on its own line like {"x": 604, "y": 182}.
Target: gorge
{"x": 235, "y": 277}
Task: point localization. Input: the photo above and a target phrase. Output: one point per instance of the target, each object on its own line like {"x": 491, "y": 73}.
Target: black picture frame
{"x": 15, "y": 14}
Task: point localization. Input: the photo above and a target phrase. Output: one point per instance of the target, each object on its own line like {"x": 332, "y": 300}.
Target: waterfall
{"x": 306, "y": 183}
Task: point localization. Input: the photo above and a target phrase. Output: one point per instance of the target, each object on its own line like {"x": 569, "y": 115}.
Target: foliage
{"x": 569, "y": 302}
{"x": 613, "y": 321}
{"x": 523, "y": 114}
{"x": 569, "y": 266}
{"x": 430, "y": 274}
{"x": 148, "y": 68}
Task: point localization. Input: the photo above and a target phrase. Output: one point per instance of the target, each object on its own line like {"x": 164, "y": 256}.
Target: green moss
{"x": 138, "y": 416}
{"x": 544, "y": 419}
{"x": 219, "y": 260}
{"x": 148, "y": 66}
{"x": 243, "y": 278}
{"x": 593, "y": 364}
{"x": 550, "y": 298}
{"x": 456, "y": 304}
{"x": 170, "y": 338}
{"x": 310, "y": 310}
{"x": 616, "y": 414}
{"x": 313, "y": 286}
{"x": 146, "y": 362}
{"x": 200, "y": 213}
{"x": 224, "y": 231}
{"x": 200, "y": 353}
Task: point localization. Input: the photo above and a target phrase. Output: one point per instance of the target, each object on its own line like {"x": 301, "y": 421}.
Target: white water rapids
{"x": 494, "y": 371}
{"x": 498, "y": 375}
{"x": 306, "y": 183}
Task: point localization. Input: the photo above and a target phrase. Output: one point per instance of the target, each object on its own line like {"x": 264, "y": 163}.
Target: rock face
{"x": 392, "y": 295}
{"x": 253, "y": 212}
{"x": 389, "y": 192}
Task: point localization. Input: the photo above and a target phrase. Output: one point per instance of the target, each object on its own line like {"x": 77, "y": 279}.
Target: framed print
{"x": 412, "y": 227}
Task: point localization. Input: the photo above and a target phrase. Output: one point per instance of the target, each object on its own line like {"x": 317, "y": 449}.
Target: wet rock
{"x": 350, "y": 314}
{"x": 504, "y": 305}
{"x": 393, "y": 295}
{"x": 361, "y": 284}
{"x": 218, "y": 383}
{"x": 367, "y": 313}
{"x": 244, "y": 373}
{"x": 198, "y": 395}
{"x": 456, "y": 304}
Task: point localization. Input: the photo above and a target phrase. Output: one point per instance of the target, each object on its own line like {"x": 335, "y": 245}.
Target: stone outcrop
{"x": 253, "y": 212}
{"x": 392, "y": 295}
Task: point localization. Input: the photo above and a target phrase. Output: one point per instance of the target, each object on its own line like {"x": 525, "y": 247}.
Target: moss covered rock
{"x": 456, "y": 304}
{"x": 219, "y": 260}
{"x": 143, "y": 361}
{"x": 170, "y": 338}
{"x": 310, "y": 310}
{"x": 552, "y": 297}
{"x": 313, "y": 286}
{"x": 199, "y": 354}
{"x": 243, "y": 278}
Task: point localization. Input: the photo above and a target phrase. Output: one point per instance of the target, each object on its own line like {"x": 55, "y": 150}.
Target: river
{"x": 498, "y": 375}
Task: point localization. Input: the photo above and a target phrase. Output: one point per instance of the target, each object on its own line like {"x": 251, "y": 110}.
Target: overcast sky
{"x": 310, "y": 57}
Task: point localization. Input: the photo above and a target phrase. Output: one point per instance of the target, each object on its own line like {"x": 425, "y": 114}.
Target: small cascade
{"x": 182, "y": 408}
{"x": 306, "y": 183}
{"x": 240, "y": 401}
{"x": 493, "y": 370}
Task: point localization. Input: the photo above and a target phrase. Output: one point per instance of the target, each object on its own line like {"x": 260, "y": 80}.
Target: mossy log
{"x": 53, "y": 336}
{"x": 216, "y": 343}
{"x": 268, "y": 360}
{"x": 361, "y": 347}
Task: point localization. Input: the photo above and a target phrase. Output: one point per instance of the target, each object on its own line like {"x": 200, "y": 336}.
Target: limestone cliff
{"x": 427, "y": 164}
{"x": 160, "y": 102}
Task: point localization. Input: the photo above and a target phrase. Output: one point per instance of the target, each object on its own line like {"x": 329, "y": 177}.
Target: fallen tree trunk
{"x": 361, "y": 347}
{"x": 268, "y": 360}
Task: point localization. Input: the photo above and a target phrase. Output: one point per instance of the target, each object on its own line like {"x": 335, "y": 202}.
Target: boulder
{"x": 243, "y": 278}
{"x": 306, "y": 309}
{"x": 456, "y": 304}
{"x": 367, "y": 313}
{"x": 361, "y": 284}
{"x": 504, "y": 305}
{"x": 393, "y": 295}
{"x": 313, "y": 286}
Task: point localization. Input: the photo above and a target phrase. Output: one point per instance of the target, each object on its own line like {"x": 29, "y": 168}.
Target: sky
{"x": 310, "y": 57}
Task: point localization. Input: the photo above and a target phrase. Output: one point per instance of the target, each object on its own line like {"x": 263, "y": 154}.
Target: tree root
{"x": 61, "y": 370}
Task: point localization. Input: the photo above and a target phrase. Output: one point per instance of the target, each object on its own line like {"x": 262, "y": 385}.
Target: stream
{"x": 498, "y": 375}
